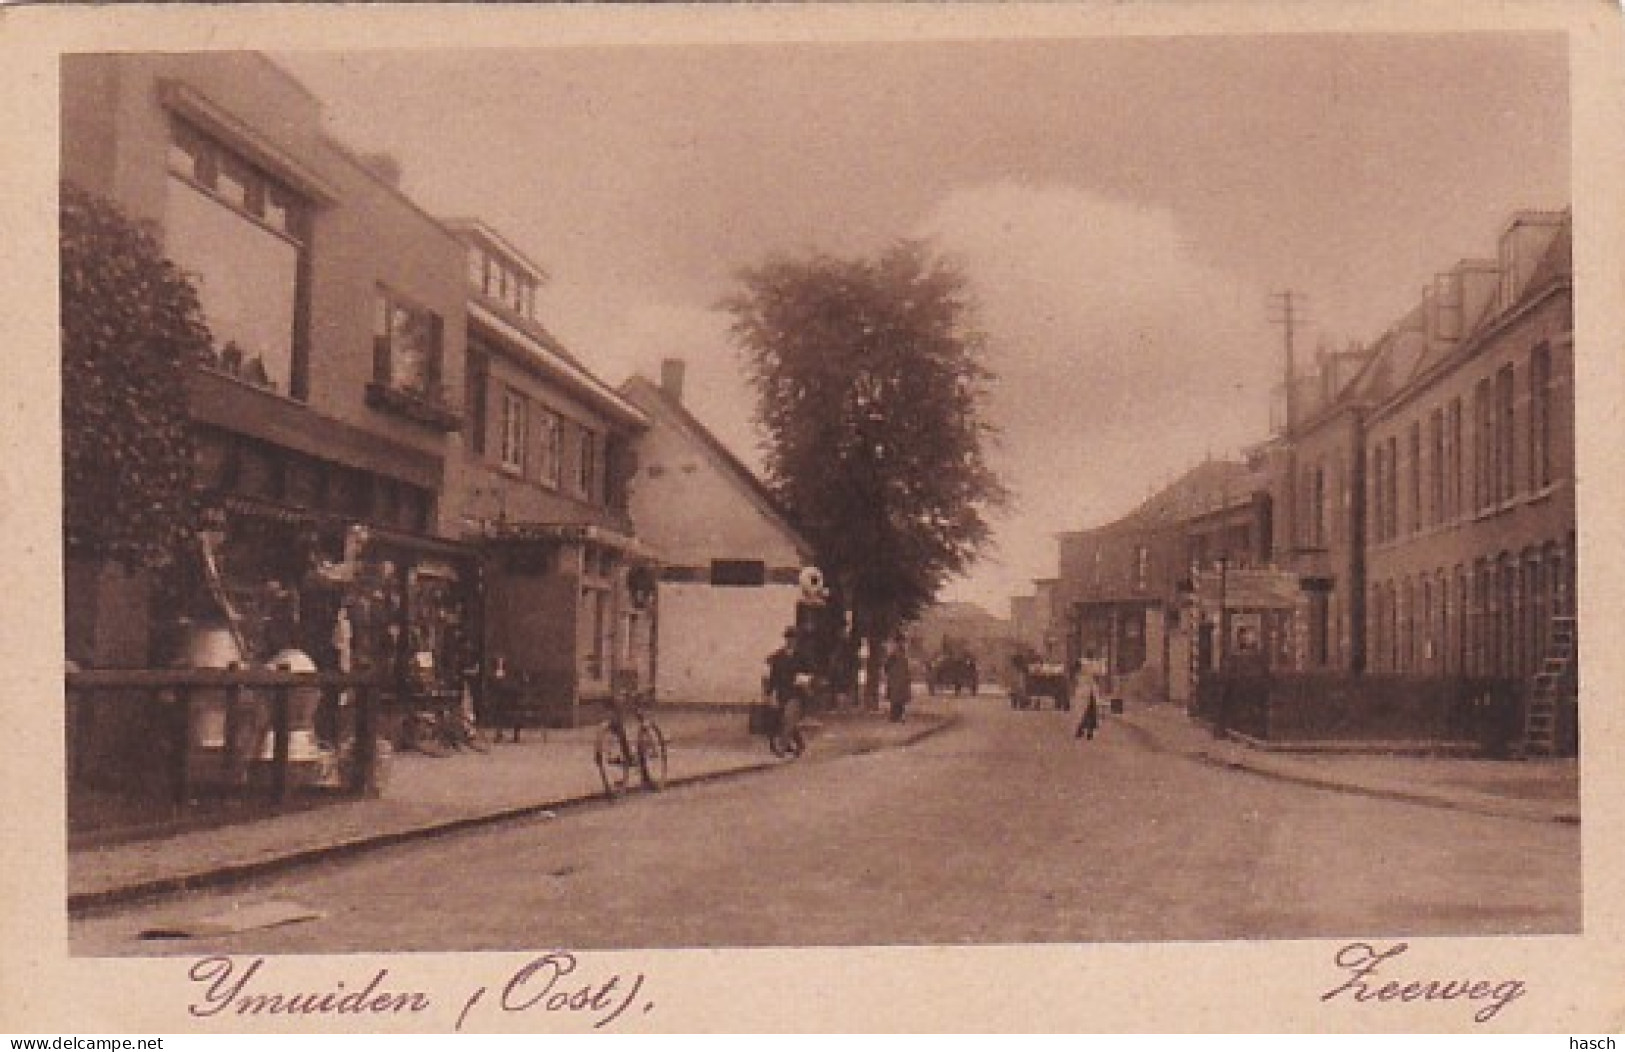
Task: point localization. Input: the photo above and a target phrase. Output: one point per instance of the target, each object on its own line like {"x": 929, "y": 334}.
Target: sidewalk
{"x": 1538, "y": 790}
{"x": 425, "y": 796}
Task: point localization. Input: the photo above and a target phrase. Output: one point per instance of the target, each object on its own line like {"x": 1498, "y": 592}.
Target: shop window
{"x": 241, "y": 237}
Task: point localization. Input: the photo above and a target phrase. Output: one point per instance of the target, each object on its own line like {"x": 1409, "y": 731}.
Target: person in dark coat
{"x": 1091, "y": 712}
{"x": 898, "y": 686}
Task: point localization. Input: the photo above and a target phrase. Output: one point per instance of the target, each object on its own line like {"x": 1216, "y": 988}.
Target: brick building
{"x": 539, "y": 486}
{"x": 336, "y": 307}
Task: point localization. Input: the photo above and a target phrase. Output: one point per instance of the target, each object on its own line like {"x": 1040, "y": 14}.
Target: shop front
{"x": 569, "y": 616}
{"x": 313, "y": 565}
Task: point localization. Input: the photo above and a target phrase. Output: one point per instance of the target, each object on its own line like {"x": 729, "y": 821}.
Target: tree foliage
{"x": 870, "y": 388}
{"x": 131, "y": 327}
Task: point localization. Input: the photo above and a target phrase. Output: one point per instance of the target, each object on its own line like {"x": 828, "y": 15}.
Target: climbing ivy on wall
{"x": 131, "y": 328}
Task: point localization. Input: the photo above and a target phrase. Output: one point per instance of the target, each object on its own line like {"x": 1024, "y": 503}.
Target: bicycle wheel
{"x": 652, "y": 755}
{"x": 466, "y": 734}
{"x": 420, "y": 734}
{"x": 614, "y": 766}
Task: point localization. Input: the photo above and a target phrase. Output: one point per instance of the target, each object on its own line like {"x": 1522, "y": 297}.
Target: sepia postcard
{"x": 1043, "y": 518}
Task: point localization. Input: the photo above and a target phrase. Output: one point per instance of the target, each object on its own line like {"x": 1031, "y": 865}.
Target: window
{"x": 406, "y": 347}
{"x": 1540, "y": 418}
{"x": 1414, "y": 452}
{"x": 1453, "y": 462}
{"x": 1376, "y": 492}
{"x": 1380, "y": 493}
{"x": 549, "y": 448}
{"x": 1391, "y": 498}
{"x": 514, "y": 430}
{"x": 587, "y": 464}
{"x": 1483, "y": 447}
{"x": 1142, "y": 567}
{"x": 241, "y": 238}
{"x": 1506, "y": 473}
{"x": 1436, "y": 467}
{"x": 502, "y": 282}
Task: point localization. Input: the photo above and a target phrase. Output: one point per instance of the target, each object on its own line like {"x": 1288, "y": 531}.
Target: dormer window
{"x": 499, "y": 280}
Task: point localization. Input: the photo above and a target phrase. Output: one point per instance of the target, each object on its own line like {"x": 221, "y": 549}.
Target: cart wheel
{"x": 613, "y": 765}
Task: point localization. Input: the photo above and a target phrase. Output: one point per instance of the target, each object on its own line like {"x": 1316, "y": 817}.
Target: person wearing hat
{"x": 782, "y": 666}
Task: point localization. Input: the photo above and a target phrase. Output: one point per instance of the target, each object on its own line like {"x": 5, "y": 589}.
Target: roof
{"x": 642, "y": 391}
{"x": 1210, "y": 486}
{"x": 469, "y": 226}
{"x": 548, "y": 356}
{"x": 1558, "y": 262}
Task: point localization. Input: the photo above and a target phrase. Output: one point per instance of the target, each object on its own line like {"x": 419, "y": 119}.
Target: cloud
{"x": 1123, "y": 357}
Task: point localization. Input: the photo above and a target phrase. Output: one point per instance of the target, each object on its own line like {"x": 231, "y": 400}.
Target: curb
{"x": 1475, "y": 804}
{"x": 86, "y": 902}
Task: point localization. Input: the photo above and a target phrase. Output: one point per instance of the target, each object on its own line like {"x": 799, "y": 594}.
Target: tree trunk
{"x": 875, "y": 660}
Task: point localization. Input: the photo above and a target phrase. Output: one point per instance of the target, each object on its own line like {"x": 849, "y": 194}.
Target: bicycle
{"x": 439, "y": 728}
{"x": 618, "y": 755}
{"x": 785, "y": 737}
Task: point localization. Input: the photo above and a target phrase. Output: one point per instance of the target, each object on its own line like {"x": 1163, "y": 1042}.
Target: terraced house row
{"x": 1410, "y": 525}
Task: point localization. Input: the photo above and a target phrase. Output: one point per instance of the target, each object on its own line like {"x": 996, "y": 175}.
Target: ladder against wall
{"x": 1556, "y": 675}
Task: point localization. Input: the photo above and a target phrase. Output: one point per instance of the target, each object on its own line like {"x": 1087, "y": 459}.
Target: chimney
{"x": 1446, "y": 309}
{"x": 1526, "y": 239}
{"x": 1478, "y": 280}
{"x": 671, "y": 379}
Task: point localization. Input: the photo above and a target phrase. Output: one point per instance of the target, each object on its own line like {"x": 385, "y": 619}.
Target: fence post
{"x": 181, "y": 734}
{"x": 279, "y": 738}
{"x": 366, "y": 741}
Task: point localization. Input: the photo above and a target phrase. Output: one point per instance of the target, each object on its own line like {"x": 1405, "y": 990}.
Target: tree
{"x": 131, "y": 327}
{"x": 870, "y": 388}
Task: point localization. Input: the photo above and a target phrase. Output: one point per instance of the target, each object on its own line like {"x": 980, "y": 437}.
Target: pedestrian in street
{"x": 1091, "y": 711}
{"x": 897, "y": 679}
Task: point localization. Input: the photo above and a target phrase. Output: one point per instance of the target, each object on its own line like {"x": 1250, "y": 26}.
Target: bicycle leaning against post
{"x": 618, "y": 751}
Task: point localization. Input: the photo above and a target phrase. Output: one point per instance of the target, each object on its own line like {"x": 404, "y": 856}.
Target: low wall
{"x": 1375, "y": 707}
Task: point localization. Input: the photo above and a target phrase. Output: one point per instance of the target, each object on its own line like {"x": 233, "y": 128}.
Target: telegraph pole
{"x": 1286, "y": 311}
{"x": 1286, "y": 308}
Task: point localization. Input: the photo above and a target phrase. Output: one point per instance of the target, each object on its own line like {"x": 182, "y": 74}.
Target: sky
{"x": 1124, "y": 209}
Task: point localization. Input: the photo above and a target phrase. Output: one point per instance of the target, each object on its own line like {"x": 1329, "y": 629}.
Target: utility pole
{"x": 1286, "y": 308}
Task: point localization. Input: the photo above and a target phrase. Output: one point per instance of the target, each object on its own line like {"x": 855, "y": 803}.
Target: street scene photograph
{"x": 818, "y": 493}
